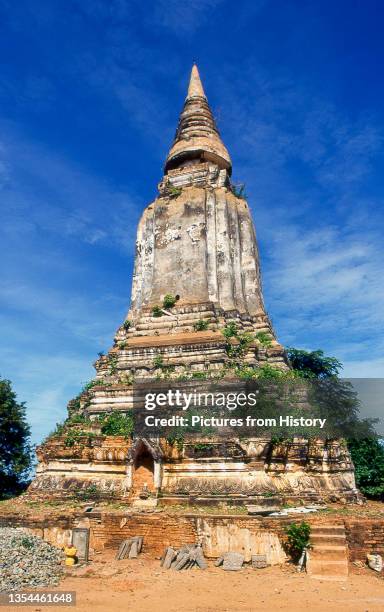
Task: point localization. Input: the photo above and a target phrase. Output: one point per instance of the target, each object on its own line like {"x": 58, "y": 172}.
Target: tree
{"x": 313, "y": 364}
{"x": 367, "y": 451}
{"x": 15, "y": 449}
{"x": 368, "y": 457}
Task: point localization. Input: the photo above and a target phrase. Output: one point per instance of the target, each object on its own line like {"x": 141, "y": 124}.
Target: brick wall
{"x": 161, "y": 529}
{"x": 364, "y": 536}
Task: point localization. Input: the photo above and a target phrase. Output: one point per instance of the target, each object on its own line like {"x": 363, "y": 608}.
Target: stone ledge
{"x": 203, "y": 337}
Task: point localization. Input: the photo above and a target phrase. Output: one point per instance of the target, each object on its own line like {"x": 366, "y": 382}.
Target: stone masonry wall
{"x": 160, "y": 529}
{"x": 364, "y": 536}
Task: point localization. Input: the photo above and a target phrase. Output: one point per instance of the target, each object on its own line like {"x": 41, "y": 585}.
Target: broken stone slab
{"x": 262, "y": 510}
{"x": 130, "y": 548}
{"x": 139, "y": 540}
{"x": 170, "y": 555}
{"x": 233, "y": 561}
{"x": 200, "y": 560}
{"x": 259, "y": 561}
{"x": 182, "y": 560}
{"x": 375, "y": 562}
{"x": 219, "y": 562}
{"x": 187, "y": 557}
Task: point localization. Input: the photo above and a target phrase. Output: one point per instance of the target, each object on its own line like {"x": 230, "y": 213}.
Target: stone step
{"x": 324, "y": 538}
{"x": 327, "y": 530}
{"x": 328, "y": 557}
{"x": 194, "y": 316}
{"x": 168, "y": 323}
{"x": 329, "y": 578}
{"x": 329, "y": 552}
{"x": 336, "y": 570}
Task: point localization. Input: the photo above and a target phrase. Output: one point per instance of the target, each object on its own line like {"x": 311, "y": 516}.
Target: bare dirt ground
{"x": 50, "y": 508}
{"x": 141, "y": 585}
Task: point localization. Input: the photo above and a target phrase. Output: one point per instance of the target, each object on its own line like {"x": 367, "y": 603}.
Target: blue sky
{"x": 90, "y": 92}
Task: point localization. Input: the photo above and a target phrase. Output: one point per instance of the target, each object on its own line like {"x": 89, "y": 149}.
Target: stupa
{"x": 196, "y": 275}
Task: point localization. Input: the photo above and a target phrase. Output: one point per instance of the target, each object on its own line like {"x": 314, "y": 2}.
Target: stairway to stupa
{"x": 328, "y": 557}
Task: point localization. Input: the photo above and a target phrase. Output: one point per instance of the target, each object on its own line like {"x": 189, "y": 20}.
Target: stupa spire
{"x": 195, "y": 85}
{"x": 197, "y": 138}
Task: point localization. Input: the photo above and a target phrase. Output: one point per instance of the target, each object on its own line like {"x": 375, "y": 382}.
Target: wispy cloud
{"x": 307, "y": 166}
{"x": 184, "y": 17}
{"x": 44, "y": 192}
{"x": 56, "y": 313}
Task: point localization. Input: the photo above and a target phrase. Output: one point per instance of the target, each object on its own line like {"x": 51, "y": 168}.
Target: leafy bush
{"x": 158, "y": 361}
{"x": 177, "y": 439}
{"x": 230, "y": 330}
{"x": 91, "y": 492}
{"x": 201, "y": 446}
{"x": 73, "y": 436}
{"x": 236, "y": 351}
{"x": 157, "y": 312}
{"x": 169, "y": 301}
{"x": 268, "y": 371}
{"x": 246, "y": 372}
{"x": 245, "y": 339}
{"x": 201, "y": 325}
{"x": 264, "y": 338}
{"x": 313, "y": 364}
{"x": 127, "y": 324}
{"x": 298, "y": 539}
{"x": 174, "y": 192}
{"x": 112, "y": 364}
{"x": 76, "y": 418}
{"x": 94, "y": 383}
{"x": 368, "y": 458}
{"x": 117, "y": 424}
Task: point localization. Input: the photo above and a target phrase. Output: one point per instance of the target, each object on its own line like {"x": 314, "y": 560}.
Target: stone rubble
{"x": 27, "y": 561}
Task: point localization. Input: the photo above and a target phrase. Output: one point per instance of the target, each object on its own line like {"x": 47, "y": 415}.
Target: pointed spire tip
{"x": 195, "y": 86}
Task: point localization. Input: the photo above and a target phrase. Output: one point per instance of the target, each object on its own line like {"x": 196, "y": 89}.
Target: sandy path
{"x": 141, "y": 585}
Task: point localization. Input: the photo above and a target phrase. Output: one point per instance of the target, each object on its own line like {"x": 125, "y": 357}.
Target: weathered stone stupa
{"x": 196, "y": 273}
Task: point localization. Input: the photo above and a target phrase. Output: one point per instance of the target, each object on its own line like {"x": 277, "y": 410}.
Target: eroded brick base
{"x": 161, "y": 529}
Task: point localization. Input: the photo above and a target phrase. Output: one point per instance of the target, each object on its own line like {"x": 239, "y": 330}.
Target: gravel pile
{"x": 27, "y": 561}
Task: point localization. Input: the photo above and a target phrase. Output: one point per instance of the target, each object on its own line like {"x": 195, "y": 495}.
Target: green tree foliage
{"x": 264, "y": 338}
{"x": 15, "y": 450}
{"x": 169, "y": 300}
{"x": 298, "y": 539}
{"x": 156, "y": 311}
{"x": 201, "y": 325}
{"x": 368, "y": 458}
{"x": 117, "y": 424}
{"x": 367, "y": 451}
{"x": 313, "y": 364}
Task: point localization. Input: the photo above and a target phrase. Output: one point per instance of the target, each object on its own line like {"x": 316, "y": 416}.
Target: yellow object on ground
{"x": 70, "y": 561}
{"x": 70, "y": 555}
